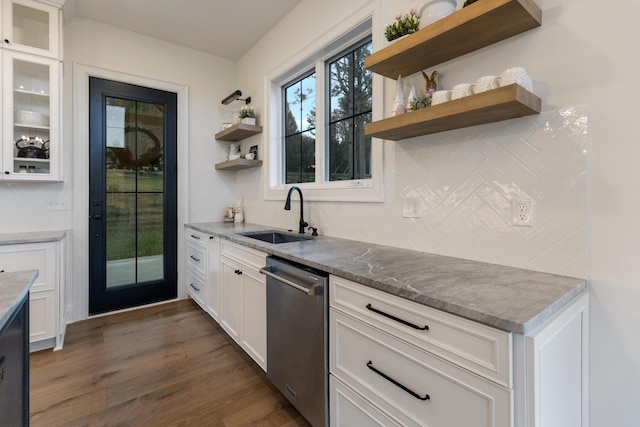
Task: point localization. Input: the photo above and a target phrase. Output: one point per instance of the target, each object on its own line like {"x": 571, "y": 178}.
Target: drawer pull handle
{"x": 404, "y": 322}
{"x": 194, "y": 258}
{"x": 238, "y": 271}
{"x": 194, "y": 287}
{"x": 388, "y": 378}
{"x": 195, "y": 237}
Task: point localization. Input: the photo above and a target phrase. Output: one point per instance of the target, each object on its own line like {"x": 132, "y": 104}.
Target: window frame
{"x": 360, "y": 190}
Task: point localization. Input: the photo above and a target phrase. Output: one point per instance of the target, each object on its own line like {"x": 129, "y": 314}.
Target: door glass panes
{"x": 300, "y": 130}
{"x": 349, "y": 109}
{"x": 31, "y": 117}
{"x": 30, "y": 27}
{"x": 134, "y": 169}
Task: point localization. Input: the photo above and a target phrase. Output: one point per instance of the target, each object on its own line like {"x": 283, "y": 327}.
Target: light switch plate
{"x": 411, "y": 208}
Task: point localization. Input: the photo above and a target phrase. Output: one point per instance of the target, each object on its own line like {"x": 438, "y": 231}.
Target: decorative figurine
{"x": 399, "y": 103}
{"x": 431, "y": 82}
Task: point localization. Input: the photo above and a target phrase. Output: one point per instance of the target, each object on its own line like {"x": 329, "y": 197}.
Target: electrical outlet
{"x": 411, "y": 207}
{"x": 522, "y": 212}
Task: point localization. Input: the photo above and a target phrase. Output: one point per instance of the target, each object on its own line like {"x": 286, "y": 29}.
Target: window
{"x": 318, "y": 103}
{"x": 300, "y": 130}
{"x": 349, "y": 109}
{"x": 347, "y": 89}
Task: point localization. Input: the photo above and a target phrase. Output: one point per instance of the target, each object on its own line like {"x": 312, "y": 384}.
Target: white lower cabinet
{"x": 202, "y": 254}
{"x": 47, "y": 307}
{"x": 243, "y": 299}
{"x": 395, "y": 362}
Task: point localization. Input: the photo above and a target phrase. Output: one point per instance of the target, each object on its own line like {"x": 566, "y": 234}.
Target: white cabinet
{"x": 243, "y": 299}
{"x": 32, "y": 27}
{"x": 46, "y": 298}
{"x": 390, "y": 357}
{"x": 202, "y": 254}
{"x": 31, "y": 96}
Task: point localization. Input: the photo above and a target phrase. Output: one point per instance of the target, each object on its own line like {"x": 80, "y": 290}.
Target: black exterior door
{"x": 132, "y": 195}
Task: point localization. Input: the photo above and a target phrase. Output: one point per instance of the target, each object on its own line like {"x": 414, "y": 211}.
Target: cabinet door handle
{"x": 194, "y": 258}
{"x": 238, "y": 271}
{"x": 194, "y": 287}
{"x": 195, "y": 237}
{"x": 397, "y": 319}
{"x": 396, "y": 383}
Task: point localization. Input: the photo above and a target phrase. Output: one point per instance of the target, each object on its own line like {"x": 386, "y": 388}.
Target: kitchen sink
{"x": 274, "y": 237}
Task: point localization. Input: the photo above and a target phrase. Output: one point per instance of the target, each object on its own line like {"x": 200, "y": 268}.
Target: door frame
{"x": 79, "y": 295}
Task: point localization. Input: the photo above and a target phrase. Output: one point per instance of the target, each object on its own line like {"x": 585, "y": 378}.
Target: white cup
{"x": 461, "y": 90}
{"x": 249, "y": 156}
{"x": 486, "y": 83}
{"x": 440, "y": 97}
{"x": 516, "y": 75}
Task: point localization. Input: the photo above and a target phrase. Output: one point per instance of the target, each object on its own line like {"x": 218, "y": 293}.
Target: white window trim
{"x": 337, "y": 39}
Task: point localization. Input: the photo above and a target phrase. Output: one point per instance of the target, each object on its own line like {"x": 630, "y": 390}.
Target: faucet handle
{"x": 315, "y": 231}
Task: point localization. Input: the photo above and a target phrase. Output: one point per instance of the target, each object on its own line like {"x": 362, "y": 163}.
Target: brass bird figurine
{"x": 431, "y": 82}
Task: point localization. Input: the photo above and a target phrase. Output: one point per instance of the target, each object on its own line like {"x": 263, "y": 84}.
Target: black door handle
{"x": 97, "y": 217}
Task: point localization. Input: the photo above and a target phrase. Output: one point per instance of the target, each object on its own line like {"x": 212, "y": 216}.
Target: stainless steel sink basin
{"x": 274, "y": 237}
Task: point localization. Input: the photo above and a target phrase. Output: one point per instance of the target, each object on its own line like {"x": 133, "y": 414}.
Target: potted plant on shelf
{"x": 403, "y": 25}
{"x": 247, "y": 115}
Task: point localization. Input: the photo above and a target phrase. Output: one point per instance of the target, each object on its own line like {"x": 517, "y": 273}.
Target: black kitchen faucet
{"x": 287, "y": 207}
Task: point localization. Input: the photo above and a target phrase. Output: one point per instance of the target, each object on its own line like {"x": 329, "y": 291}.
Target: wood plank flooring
{"x": 168, "y": 365}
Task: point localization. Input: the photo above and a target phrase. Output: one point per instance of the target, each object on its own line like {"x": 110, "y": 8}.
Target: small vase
{"x": 248, "y": 120}
{"x": 435, "y": 10}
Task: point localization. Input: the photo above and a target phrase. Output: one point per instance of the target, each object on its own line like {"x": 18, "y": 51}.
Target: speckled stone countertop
{"x": 31, "y": 237}
{"x": 14, "y": 287}
{"x": 511, "y": 299}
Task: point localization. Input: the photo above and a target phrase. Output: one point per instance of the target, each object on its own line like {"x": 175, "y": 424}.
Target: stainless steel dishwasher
{"x": 297, "y": 336}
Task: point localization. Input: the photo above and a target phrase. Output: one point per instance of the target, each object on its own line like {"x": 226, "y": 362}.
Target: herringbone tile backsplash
{"x": 465, "y": 180}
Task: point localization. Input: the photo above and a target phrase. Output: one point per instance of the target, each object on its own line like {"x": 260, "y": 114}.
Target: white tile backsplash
{"x": 466, "y": 180}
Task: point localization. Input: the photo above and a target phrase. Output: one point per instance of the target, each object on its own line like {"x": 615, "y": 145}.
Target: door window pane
{"x": 134, "y": 192}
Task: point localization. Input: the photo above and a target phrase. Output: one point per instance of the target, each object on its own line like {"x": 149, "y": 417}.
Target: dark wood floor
{"x": 169, "y": 365}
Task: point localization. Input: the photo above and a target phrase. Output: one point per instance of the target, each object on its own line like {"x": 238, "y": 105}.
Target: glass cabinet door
{"x": 31, "y": 117}
{"x": 31, "y": 27}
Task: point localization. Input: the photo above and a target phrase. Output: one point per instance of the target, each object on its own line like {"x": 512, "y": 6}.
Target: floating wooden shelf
{"x": 495, "y": 105}
{"x": 478, "y": 25}
{"x": 238, "y": 164}
{"x": 238, "y": 132}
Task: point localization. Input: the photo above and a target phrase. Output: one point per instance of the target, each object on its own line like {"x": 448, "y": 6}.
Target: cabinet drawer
{"x": 197, "y": 237}
{"x": 479, "y": 348}
{"x": 244, "y": 255}
{"x": 196, "y": 287}
{"x": 457, "y": 397}
{"x": 349, "y": 409}
{"x": 196, "y": 258}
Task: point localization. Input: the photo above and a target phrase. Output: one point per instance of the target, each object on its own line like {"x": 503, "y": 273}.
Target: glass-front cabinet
{"x": 31, "y": 71}
{"x": 30, "y": 117}
{"x": 32, "y": 27}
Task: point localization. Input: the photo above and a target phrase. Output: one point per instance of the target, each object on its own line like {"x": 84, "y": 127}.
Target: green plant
{"x": 403, "y": 25}
{"x": 420, "y": 101}
{"x": 247, "y": 112}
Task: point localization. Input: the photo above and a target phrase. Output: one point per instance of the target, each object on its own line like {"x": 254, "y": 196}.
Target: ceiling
{"x": 226, "y": 28}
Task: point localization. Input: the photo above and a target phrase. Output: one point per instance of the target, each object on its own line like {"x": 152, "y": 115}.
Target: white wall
{"x": 581, "y": 61}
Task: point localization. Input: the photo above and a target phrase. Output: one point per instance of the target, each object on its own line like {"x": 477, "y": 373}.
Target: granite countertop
{"x": 14, "y": 287}
{"x": 507, "y": 298}
{"x": 31, "y": 237}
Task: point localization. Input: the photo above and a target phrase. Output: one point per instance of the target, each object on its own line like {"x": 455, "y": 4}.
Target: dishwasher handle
{"x": 313, "y": 290}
